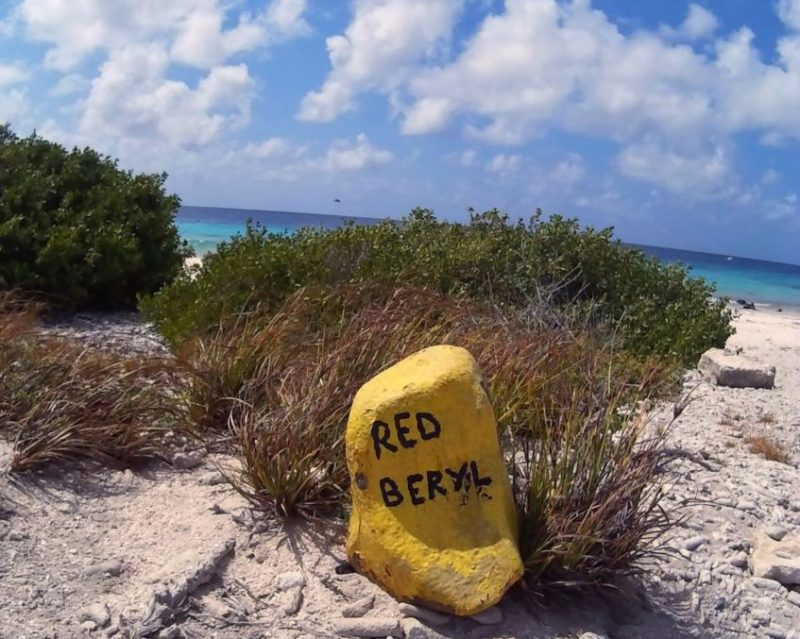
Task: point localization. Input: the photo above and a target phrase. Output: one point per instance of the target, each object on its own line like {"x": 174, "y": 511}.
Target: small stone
{"x": 212, "y": 479}
{"x": 173, "y": 632}
{"x": 688, "y": 574}
{"x": 704, "y": 577}
{"x": 98, "y": 614}
{"x": 762, "y": 616}
{"x": 693, "y": 543}
{"x": 778, "y": 560}
{"x": 216, "y": 607}
{"x": 367, "y": 627}
{"x": 592, "y": 635}
{"x": 720, "y": 603}
{"x": 775, "y": 633}
{"x": 489, "y": 617}
{"x": 112, "y": 567}
{"x": 766, "y": 584}
{"x": 776, "y": 532}
{"x": 739, "y": 560}
{"x": 728, "y": 570}
{"x": 430, "y": 617}
{"x": 794, "y": 597}
{"x": 413, "y": 629}
{"x": 68, "y": 506}
{"x": 359, "y": 607}
{"x": 290, "y": 580}
{"x": 89, "y": 625}
{"x": 735, "y": 370}
{"x": 186, "y": 461}
{"x": 293, "y": 602}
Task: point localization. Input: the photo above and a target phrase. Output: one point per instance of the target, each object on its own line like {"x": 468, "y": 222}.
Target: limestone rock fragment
{"x": 735, "y": 370}
{"x": 777, "y": 560}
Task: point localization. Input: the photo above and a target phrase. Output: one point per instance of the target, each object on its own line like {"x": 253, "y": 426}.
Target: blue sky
{"x": 676, "y": 122}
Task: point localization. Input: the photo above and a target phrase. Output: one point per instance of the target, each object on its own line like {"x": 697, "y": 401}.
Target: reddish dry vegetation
{"x": 586, "y": 476}
{"x": 276, "y": 389}
{"x": 60, "y": 400}
{"x": 768, "y": 447}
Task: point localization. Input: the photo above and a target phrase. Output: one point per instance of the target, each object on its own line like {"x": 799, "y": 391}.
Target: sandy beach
{"x": 91, "y": 553}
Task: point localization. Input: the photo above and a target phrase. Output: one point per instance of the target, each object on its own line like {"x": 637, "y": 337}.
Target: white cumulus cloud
{"x": 13, "y": 105}
{"x": 789, "y": 13}
{"x": 540, "y": 65}
{"x": 274, "y": 148}
{"x": 132, "y": 99}
{"x": 203, "y": 41}
{"x": 700, "y": 23}
{"x": 704, "y": 176}
{"x": 76, "y": 29}
{"x": 11, "y": 74}
{"x": 384, "y": 43}
{"x": 356, "y": 155}
{"x": 285, "y": 160}
{"x": 503, "y": 163}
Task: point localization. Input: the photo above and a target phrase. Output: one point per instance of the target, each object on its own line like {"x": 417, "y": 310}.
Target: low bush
{"x": 586, "y": 479}
{"x": 60, "y": 400}
{"x": 658, "y": 309}
{"x": 78, "y": 231}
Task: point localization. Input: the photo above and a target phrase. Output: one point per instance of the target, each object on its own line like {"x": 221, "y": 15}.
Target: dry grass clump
{"x": 586, "y": 479}
{"x": 588, "y": 482}
{"x": 767, "y": 418}
{"x": 61, "y": 400}
{"x": 768, "y": 447}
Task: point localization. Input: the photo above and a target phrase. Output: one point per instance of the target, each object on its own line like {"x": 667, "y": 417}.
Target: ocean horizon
{"x": 773, "y": 283}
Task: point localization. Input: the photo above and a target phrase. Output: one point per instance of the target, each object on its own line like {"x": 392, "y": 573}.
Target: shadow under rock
{"x": 624, "y": 611}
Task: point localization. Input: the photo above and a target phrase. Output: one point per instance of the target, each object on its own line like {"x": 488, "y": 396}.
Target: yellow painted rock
{"x": 433, "y": 518}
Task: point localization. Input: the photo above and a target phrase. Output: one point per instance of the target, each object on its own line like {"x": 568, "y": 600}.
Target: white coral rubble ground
{"x": 176, "y": 553}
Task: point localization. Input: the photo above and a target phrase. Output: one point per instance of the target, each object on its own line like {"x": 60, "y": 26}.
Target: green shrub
{"x": 78, "y": 231}
{"x": 659, "y": 309}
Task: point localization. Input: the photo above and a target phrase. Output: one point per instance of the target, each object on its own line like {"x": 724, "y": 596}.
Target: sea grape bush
{"x": 657, "y": 309}
{"x": 77, "y": 231}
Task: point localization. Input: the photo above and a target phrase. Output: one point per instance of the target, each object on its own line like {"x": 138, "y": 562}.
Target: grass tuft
{"x": 586, "y": 478}
{"x": 767, "y": 418}
{"x": 61, "y": 400}
{"x": 768, "y": 447}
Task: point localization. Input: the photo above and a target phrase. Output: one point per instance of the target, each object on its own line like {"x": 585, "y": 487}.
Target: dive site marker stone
{"x": 433, "y": 519}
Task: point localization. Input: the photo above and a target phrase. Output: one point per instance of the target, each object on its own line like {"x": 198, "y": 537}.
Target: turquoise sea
{"x": 735, "y": 277}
